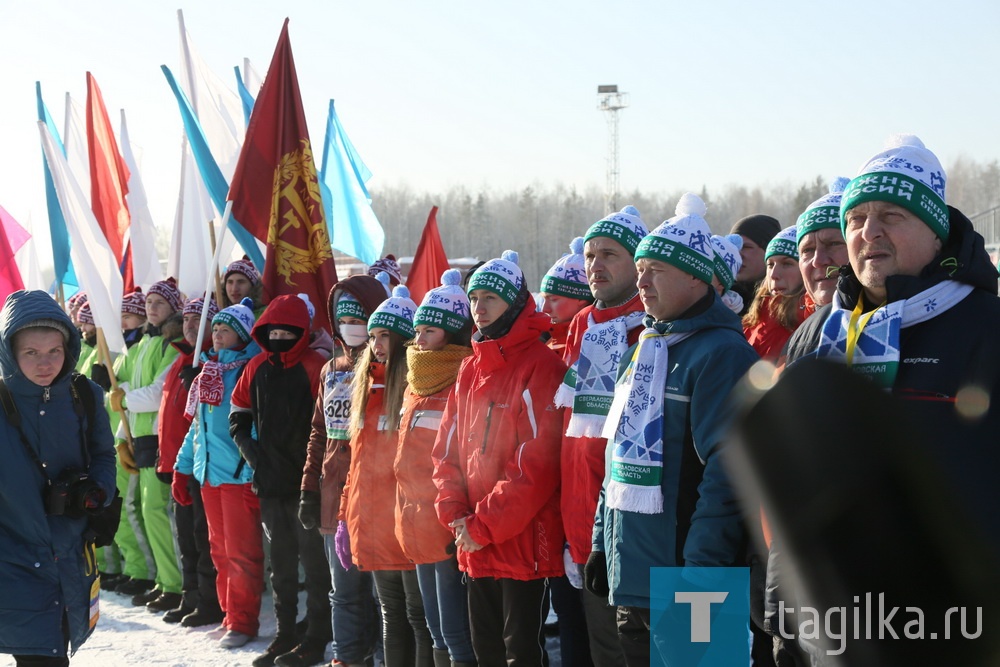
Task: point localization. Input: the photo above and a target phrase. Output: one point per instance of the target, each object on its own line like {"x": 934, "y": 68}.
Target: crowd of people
{"x": 438, "y": 474}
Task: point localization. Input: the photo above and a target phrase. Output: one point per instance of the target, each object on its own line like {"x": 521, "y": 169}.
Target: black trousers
{"x": 290, "y": 545}
{"x": 405, "y": 637}
{"x": 574, "y": 644}
{"x": 633, "y": 634}
{"x": 506, "y": 620}
{"x": 197, "y": 570}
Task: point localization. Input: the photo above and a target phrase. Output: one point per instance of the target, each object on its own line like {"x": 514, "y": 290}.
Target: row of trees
{"x": 540, "y": 221}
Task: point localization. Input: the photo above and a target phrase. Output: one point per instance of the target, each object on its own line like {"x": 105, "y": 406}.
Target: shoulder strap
{"x": 85, "y": 395}
{"x": 14, "y": 417}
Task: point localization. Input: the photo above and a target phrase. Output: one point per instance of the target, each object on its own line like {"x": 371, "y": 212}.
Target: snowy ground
{"x": 128, "y": 635}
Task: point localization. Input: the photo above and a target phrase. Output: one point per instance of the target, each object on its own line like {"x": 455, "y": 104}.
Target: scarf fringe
{"x": 585, "y": 426}
{"x": 640, "y": 499}
{"x": 564, "y": 397}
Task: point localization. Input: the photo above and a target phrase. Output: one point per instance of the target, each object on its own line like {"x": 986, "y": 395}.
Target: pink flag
{"x": 12, "y": 237}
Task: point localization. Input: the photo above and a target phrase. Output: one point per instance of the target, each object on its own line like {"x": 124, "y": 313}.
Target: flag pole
{"x": 218, "y": 282}
{"x": 212, "y": 269}
{"x": 104, "y": 354}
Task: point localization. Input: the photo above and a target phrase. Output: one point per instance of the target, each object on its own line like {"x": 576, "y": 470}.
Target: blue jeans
{"x": 446, "y": 606}
{"x": 357, "y": 624}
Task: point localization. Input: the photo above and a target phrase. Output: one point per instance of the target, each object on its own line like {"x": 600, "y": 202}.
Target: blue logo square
{"x": 699, "y": 616}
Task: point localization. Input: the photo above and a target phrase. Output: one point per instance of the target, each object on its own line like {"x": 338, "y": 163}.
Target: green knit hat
{"x": 824, "y": 213}
{"x": 395, "y": 313}
{"x": 501, "y": 276}
{"x": 685, "y": 240}
{"x": 905, "y": 174}
{"x": 783, "y": 244}
{"x": 626, "y": 227}
{"x": 568, "y": 276}
{"x": 446, "y": 306}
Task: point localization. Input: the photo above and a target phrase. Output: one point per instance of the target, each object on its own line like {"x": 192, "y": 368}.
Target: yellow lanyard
{"x": 855, "y": 326}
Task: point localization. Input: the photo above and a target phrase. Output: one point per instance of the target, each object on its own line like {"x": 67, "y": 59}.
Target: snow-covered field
{"x": 128, "y": 635}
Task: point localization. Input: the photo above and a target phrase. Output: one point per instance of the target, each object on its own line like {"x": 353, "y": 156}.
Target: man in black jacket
{"x": 916, "y": 311}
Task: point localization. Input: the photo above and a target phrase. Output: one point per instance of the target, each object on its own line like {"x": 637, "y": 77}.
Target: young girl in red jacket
{"x": 368, "y": 505}
{"x": 497, "y": 468}
{"x": 441, "y": 345}
{"x": 781, "y": 303}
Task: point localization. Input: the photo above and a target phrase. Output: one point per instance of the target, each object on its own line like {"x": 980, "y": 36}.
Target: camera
{"x": 73, "y": 494}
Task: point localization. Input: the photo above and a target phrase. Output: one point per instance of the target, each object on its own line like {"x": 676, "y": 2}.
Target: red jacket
{"x": 768, "y": 336}
{"x": 497, "y": 454}
{"x": 369, "y": 501}
{"x": 583, "y": 458}
{"x": 418, "y": 530}
{"x": 173, "y": 425}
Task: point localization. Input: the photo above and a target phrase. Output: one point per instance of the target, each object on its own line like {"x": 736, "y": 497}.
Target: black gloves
{"x": 595, "y": 574}
{"x": 188, "y": 374}
{"x": 99, "y": 374}
{"x": 240, "y": 425}
{"x": 309, "y": 509}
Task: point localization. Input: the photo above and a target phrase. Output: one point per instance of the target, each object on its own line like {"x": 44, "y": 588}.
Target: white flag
{"x": 95, "y": 263}
{"x": 145, "y": 263}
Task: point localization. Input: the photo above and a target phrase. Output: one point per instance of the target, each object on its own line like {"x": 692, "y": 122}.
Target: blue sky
{"x": 503, "y": 95}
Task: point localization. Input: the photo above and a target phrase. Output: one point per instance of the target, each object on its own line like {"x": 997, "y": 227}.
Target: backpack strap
{"x": 14, "y": 417}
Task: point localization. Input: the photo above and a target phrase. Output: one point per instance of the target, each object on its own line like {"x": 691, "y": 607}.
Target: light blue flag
{"x": 245, "y": 96}
{"x": 212, "y": 176}
{"x": 354, "y": 228}
{"x": 61, "y": 261}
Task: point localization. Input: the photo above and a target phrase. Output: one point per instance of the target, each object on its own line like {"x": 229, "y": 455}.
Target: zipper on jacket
{"x": 45, "y": 394}
{"x": 486, "y": 430}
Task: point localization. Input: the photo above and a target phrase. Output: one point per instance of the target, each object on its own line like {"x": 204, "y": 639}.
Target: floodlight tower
{"x": 610, "y": 101}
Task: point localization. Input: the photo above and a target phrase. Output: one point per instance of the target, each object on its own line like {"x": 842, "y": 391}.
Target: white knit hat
{"x": 728, "y": 260}
{"x": 446, "y": 306}
{"x": 905, "y": 173}
{"x": 395, "y": 313}
{"x": 502, "y": 276}
{"x": 568, "y": 276}
{"x": 685, "y": 240}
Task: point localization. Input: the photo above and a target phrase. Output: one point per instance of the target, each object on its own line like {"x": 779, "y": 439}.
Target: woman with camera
{"x": 58, "y": 471}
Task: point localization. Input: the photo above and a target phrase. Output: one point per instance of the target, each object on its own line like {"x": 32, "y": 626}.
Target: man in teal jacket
{"x": 666, "y": 500}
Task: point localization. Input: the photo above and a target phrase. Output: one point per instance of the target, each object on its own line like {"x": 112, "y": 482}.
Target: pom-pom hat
{"x": 568, "y": 276}
{"x": 728, "y": 260}
{"x": 783, "y": 244}
{"x": 395, "y": 313}
{"x": 446, "y": 306}
{"x": 824, "y": 213}
{"x": 238, "y": 317}
{"x": 905, "y": 173}
{"x": 245, "y": 268}
{"x": 194, "y": 306}
{"x": 168, "y": 290}
{"x": 502, "y": 276}
{"x": 134, "y": 303}
{"x": 684, "y": 241}
{"x": 625, "y": 226}
{"x": 84, "y": 315}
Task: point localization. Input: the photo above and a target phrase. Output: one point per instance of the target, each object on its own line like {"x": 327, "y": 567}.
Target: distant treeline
{"x": 539, "y": 220}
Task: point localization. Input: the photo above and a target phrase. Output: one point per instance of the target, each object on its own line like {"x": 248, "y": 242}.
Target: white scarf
{"x": 589, "y": 385}
{"x": 634, "y": 427}
{"x": 875, "y": 354}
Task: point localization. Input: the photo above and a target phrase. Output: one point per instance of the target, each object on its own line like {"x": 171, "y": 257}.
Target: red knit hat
{"x": 134, "y": 303}
{"x": 168, "y": 290}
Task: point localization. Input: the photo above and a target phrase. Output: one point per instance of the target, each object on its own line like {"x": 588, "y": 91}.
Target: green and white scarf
{"x": 634, "y": 427}
{"x": 589, "y": 384}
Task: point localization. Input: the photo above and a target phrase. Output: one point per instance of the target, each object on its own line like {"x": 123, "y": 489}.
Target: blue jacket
{"x": 208, "y": 452}
{"x": 43, "y": 575}
{"x": 701, "y": 523}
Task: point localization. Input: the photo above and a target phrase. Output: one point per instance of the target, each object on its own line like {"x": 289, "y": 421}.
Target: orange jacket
{"x": 369, "y": 501}
{"x": 418, "y": 530}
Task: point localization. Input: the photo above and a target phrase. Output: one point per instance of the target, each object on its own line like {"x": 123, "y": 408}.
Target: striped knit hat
{"x": 194, "y": 306}
{"x": 134, "y": 303}
{"x": 728, "y": 260}
{"x": 238, "y": 317}
{"x": 824, "y": 213}
{"x": 168, "y": 290}
{"x": 626, "y": 227}
{"x": 245, "y": 268}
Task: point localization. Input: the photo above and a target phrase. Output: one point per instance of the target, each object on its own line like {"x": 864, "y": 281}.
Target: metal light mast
{"x": 610, "y": 101}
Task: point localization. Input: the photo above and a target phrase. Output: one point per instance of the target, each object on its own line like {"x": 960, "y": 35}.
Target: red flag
{"x": 429, "y": 262}
{"x": 108, "y": 181}
{"x": 11, "y": 235}
{"x": 275, "y": 190}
